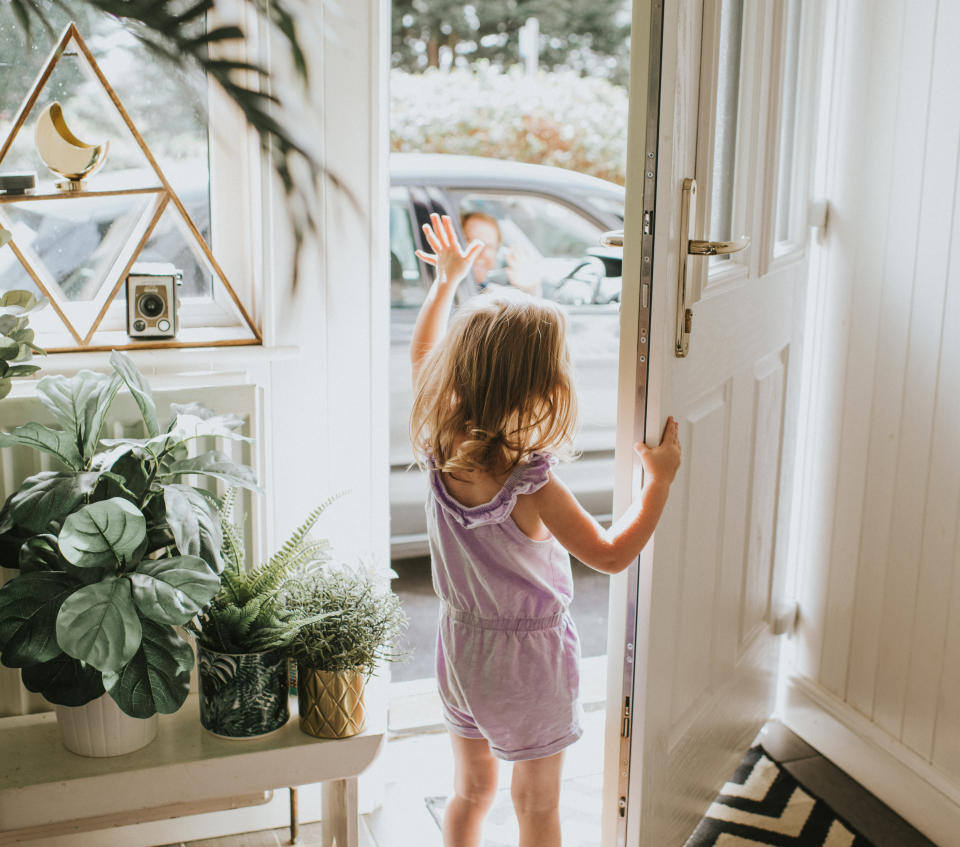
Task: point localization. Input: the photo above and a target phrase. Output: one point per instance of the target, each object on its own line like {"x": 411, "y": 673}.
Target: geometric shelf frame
{"x": 162, "y": 198}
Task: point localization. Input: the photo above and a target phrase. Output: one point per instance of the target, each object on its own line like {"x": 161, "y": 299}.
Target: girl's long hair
{"x": 497, "y": 387}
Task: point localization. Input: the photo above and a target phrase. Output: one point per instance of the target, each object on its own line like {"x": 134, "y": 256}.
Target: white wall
{"x": 322, "y": 373}
{"x": 877, "y": 656}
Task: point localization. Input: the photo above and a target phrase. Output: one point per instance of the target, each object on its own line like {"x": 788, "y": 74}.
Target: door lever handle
{"x": 686, "y": 296}
{"x": 717, "y": 248}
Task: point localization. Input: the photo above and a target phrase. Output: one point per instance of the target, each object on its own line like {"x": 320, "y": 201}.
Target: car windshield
{"x": 538, "y": 223}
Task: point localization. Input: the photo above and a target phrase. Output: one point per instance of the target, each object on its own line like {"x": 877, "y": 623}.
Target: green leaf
{"x": 64, "y": 681}
{"x": 172, "y": 590}
{"x": 19, "y": 299}
{"x": 183, "y": 518}
{"x": 22, "y": 370}
{"x": 29, "y": 605}
{"x": 11, "y": 323}
{"x": 40, "y": 553}
{"x": 55, "y": 442}
{"x": 195, "y": 524}
{"x": 80, "y": 403}
{"x": 99, "y": 624}
{"x": 215, "y": 426}
{"x": 157, "y": 678}
{"x": 103, "y": 534}
{"x": 49, "y": 497}
{"x": 9, "y": 348}
{"x": 6, "y": 386}
{"x": 218, "y": 465}
{"x": 131, "y": 467}
{"x": 127, "y": 371}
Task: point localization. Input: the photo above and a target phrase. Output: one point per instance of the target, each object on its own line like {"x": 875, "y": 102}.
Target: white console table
{"x": 46, "y": 790}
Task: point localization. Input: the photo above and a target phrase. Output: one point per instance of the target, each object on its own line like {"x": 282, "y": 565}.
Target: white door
{"x": 717, "y": 95}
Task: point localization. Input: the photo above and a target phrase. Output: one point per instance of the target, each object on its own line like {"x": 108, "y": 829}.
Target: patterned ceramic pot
{"x": 330, "y": 703}
{"x": 243, "y": 695}
{"x": 101, "y": 728}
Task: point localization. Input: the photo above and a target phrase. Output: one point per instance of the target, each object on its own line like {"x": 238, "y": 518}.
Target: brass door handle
{"x": 717, "y": 248}
{"x": 691, "y": 247}
{"x": 614, "y": 238}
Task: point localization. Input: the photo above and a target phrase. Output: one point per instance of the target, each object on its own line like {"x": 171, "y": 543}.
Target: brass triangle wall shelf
{"x": 161, "y": 198}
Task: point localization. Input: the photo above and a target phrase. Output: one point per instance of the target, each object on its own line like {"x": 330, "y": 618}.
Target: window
{"x": 546, "y": 248}
{"x": 406, "y": 283}
{"x": 727, "y": 119}
{"x": 789, "y": 104}
{"x": 79, "y": 246}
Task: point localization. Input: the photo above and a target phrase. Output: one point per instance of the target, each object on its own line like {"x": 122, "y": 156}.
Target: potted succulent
{"x": 115, "y": 553}
{"x": 244, "y": 633}
{"x": 356, "y": 621}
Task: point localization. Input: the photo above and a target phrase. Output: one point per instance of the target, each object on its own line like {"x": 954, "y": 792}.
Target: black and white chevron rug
{"x": 763, "y": 804}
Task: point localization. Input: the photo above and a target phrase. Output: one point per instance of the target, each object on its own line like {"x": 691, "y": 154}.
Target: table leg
{"x": 294, "y": 817}
{"x": 340, "y": 813}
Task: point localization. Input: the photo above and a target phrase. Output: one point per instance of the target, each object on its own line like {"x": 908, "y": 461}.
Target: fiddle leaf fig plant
{"x": 116, "y": 549}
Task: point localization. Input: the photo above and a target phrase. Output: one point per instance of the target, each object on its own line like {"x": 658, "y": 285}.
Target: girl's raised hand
{"x": 449, "y": 258}
{"x": 661, "y": 462}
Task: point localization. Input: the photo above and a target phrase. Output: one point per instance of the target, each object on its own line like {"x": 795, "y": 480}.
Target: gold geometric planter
{"x": 330, "y": 702}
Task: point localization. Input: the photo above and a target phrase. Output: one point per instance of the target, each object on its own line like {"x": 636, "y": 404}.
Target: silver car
{"x": 555, "y": 217}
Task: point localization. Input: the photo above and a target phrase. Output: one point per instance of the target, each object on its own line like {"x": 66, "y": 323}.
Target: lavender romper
{"x": 508, "y": 654}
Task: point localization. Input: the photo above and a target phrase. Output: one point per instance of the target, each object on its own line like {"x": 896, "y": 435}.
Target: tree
{"x": 589, "y": 36}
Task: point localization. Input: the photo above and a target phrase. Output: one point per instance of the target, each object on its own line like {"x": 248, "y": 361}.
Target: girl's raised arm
{"x": 452, "y": 264}
{"x": 612, "y": 550}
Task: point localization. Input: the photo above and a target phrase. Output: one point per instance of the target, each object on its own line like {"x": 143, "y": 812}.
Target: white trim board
{"x": 905, "y": 782}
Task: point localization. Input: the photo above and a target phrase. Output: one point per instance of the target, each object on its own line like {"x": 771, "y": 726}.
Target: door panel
{"x": 701, "y": 657}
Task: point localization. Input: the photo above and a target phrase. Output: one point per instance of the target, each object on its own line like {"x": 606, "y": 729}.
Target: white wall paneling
{"x": 876, "y": 559}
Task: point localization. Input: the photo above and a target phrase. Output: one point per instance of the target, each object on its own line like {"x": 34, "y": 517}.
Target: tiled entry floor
{"x": 403, "y": 820}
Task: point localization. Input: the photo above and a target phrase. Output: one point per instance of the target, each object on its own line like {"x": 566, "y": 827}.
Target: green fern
{"x": 249, "y": 614}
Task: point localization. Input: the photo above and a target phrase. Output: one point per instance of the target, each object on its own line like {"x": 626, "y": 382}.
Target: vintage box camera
{"x": 152, "y": 300}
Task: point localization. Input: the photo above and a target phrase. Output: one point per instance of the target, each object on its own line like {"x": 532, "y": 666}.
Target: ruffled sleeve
{"x": 526, "y": 478}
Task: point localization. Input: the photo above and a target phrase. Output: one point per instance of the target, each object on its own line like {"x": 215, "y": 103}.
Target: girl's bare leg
{"x": 475, "y": 786}
{"x": 535, "y": 789}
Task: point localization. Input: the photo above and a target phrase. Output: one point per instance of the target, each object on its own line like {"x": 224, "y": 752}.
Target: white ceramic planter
{"x": 100, "y": 728}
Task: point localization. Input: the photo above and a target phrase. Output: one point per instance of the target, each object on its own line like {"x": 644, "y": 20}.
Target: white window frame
{"x": 236, "y": 187}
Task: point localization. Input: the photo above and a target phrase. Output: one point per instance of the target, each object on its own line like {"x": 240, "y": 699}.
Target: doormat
{"x": 764, "y": 804}
{"x": 579, "y": 815}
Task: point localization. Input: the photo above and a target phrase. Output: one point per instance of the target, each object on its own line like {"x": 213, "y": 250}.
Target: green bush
{"x": 559, "y": 119}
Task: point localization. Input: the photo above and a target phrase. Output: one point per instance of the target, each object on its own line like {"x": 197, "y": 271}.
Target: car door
{"x": 693, "y": 657}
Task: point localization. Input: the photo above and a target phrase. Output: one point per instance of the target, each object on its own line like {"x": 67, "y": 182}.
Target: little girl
{"x": 494, "y": 408}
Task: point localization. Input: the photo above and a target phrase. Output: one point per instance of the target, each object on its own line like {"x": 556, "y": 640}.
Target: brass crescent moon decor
{"x": 64, "y": 153}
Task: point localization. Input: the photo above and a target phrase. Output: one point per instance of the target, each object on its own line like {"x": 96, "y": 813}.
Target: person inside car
{"x": 520, "y": 270}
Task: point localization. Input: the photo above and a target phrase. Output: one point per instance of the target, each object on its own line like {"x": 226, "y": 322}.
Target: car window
{"x": 545, "y": 248}
{"x": 550, "y": 227}
{"x": 406, "y": 284}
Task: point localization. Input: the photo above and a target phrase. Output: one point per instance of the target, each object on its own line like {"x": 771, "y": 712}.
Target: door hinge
{"x": 625, "y": 722}
{"x": 622, "y": 806}
{"x": 648, "y": 222}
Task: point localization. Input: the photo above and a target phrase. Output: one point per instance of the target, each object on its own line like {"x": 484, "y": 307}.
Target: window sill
{"x": 190, "y": 362}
